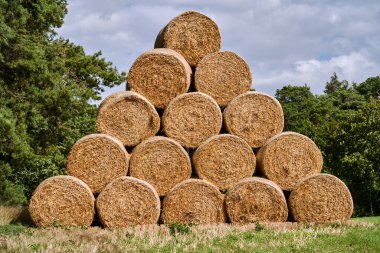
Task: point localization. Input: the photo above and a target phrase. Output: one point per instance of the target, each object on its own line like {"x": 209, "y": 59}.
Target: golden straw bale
{"x": 320, "y": 198}
{"x": 224, "y": 160}
{"x": 97, "y": 159}
{"x": 110, "y": 97}
{"x": 160, "y": 161}
{"x": 192, "y": 34}
{"x": 129, "y": 117}
{"x": 193, "y": 201}
{"x": 288, "y": 157}
{"x": 160, "y": 75}
{"x": 255, "y": 117}
{"x": 128, "y": 201}
{"x": 192, "y": 118}
{"x": 223, "y": 76}
{"x": 256, "y": 199}
{"x": 63, "y": 200}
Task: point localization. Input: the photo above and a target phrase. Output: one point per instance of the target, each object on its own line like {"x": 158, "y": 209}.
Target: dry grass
{"x": 265, "y": 237}
{"x": 8, "y": 214}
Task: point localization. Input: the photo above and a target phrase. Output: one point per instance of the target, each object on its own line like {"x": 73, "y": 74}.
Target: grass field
{"x": 358, "y": 235}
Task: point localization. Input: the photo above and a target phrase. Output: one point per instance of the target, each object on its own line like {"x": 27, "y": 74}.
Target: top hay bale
{"x": 129, "y": 117}
{"x": 288, "y": 157}
{"x": 63, "y": 199}
{"x": 97, "y": 159}
{"x": 223, "y": 76}
{"x": 161, "y": 162}
{"x": 160, "y": 75}
{"x": 193, "y": 201}
{"x": 191, "y": 118}
{"x": 192, "y": 34}
{"x": 255, "y": 117}
{"x": 320, "y": 198}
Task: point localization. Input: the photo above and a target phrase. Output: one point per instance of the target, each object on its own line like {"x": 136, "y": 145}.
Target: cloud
{"x": 283, "y": 41}
{"x": 315, "y": 73}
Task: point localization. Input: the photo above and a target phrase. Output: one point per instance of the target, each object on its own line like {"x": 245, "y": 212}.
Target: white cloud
{"x": 354, "y": 66}
{"x": 284, "y": 41}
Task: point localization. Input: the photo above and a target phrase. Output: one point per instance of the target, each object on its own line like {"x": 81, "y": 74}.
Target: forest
{"x": 47, "y": 83}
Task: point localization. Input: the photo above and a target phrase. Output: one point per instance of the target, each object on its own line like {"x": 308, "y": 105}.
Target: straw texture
{"x": 255, "y": 117}
{"x": 320, "y": 198}
{"x": 129, "y": 117}
{"x": 192, "y": 34}
{"x": 256, "y": 199}
{"x": 128, "y": 201}
{"x": 193, "y": 201}
{"x": 160, "y": 75}
{"x": 192, "y": 118}
{"x": 224, "y": 160}
{"x": 223, "y": 76}
{"x": 162, "y": 162}
{"x": 65, "y": 200}
{"x": 97, "y": 159}
{"x": 111, "y": 97}
{"x": 288, "y": 157}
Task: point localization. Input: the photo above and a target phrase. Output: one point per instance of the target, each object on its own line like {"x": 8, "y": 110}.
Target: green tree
{"x": 370, "y": 87}
{"x": 304, "y": 112}
{"x": 46, "y": 83}
{"x": 335, "y": 85}
{"x": 355, "y": 157}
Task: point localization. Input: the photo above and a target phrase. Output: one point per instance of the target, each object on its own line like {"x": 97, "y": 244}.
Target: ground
{"x": 357, "y": 235}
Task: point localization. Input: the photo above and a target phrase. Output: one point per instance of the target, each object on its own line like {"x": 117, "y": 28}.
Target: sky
{"x": 285, "y": 42}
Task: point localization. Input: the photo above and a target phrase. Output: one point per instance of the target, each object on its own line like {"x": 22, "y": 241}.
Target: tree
{"x": 46, "y": 83}
{"x": 369, "y": 88}
{"x": 355, "y": 157}
{"x": 335, "y": 85}
{"x": 304, "y": 112}
{"x": 345, "y": 124}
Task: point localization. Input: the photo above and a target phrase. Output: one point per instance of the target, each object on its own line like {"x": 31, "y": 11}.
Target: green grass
{"x": 360, "y": 235}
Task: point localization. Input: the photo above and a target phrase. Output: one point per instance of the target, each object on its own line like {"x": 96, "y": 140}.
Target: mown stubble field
{"x": 358, "y": 235}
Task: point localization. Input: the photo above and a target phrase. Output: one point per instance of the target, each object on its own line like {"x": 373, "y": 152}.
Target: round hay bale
{"x": 256, "y": 199}
{"x": 160, "y": 161}
{"x": 110, "y": 97}
{"x": 128, "y": 201}
{"x": 160, "y": 75}
{"x": 192, "y": 118}
{"x": 255, "y": 117}
{"x": 129, "y": 117}
{"x": 223, "y": 76}
{"x": 320, "y": 198}
{"x": 192, "y": 34}
{"x": 224, "y": 160}
{"x": 288, "y": 157}
{"x": 193, "y": 201}
{"x": 97, "y": 159}
{"x": 64, "y": 200}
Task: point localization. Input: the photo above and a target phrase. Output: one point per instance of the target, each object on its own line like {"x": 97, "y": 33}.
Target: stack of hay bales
{"x": 213, "y": 155}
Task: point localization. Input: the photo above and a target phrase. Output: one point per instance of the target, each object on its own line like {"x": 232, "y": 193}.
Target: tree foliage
{"x": 46, "y": 83}
{"x": 345, "y": 124}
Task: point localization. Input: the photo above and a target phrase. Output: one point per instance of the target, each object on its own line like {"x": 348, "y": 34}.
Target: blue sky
{"x": 283, "y": 41}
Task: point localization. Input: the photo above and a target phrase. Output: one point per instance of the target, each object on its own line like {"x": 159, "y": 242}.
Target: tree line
{"x": 46, "y": 83}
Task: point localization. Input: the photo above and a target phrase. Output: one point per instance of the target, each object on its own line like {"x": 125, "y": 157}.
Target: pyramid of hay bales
{"x": 189, "y": 142}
